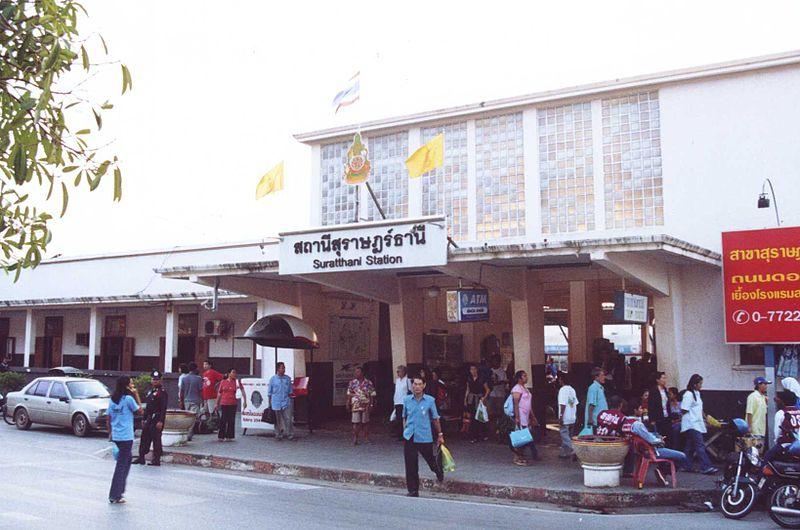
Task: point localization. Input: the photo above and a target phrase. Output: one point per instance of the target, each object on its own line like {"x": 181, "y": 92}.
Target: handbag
{"x": 268, "y": 416}
{"x": 521, "y": 437}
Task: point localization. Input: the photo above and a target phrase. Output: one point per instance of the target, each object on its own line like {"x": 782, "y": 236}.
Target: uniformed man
{"x": 155, "y": 413}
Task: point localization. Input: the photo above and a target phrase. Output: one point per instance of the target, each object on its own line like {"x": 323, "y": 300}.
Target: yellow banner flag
{"x": 271, "y": 182}
{"x": 426, "y": 158}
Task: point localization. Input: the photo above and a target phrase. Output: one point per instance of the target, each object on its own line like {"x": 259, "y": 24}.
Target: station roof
{"x": 125, "y": 278}
{"x": 647, "y": 81}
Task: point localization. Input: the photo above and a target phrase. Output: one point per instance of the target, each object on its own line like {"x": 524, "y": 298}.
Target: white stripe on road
{"x": 21, "y": 517}
{"x": 216, "y": 475}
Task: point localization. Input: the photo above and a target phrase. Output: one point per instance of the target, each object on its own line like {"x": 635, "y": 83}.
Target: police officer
{"x": 155, "y": 413}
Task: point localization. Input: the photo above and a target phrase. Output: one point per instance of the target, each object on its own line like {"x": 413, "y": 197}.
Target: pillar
{"x": 406, "y": 327}
{"x": 668, "y": 312}
{"x": 171, "y": 338}
{"x": 95, "y": 334}
{"x": 30, "y": 337}
{"x": 585, "y": 325}
{"x": 527, "y": 322}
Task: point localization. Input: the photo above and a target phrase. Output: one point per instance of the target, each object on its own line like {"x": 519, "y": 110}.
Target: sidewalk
{"x": 482, "y": 469}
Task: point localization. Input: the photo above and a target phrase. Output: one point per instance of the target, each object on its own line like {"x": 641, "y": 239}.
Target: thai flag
{"x": 349, "y": 95}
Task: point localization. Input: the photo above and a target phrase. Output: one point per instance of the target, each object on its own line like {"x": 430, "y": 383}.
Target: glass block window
{"x": 338, "y": 198}
{"x": 500, "y": 173}
{"x": 444, "y": 190}
{"x": 566, "y": 177}
{"x": 632, "y": 161}
{"x": 389, "y": 176}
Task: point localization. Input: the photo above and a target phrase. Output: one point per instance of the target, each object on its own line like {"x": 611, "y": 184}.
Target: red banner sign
{"x": 761, "y": 275}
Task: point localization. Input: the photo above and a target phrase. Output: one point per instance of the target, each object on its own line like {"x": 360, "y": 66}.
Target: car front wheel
{"x": 80, "y": 425}
{"x": 22, "y": 420}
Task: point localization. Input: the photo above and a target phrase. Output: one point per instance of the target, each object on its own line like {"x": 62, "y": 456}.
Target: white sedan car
{"x": 73, "y": 402}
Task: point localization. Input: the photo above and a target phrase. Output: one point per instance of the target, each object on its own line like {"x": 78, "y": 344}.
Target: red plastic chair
{"x": 646, "y": 455}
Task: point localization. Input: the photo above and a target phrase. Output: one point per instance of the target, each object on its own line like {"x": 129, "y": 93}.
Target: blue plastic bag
{"x": 521, "y": 437}
{"x": 115, "y": 451}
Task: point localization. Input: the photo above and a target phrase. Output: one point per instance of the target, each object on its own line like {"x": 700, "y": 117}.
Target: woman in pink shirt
{"x": 523, "y": 416}
{"x": 226, "y": 402}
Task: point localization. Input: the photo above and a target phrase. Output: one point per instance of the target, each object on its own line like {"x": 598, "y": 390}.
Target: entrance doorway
{"x": 113, "y": 342}
{"x": 47, "y": 350}
{"x": 187, "y": 337}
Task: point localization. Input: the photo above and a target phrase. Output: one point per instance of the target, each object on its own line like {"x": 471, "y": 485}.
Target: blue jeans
{"x": 121, "y": 470}
{"x": 671, "y": 454}
{"x": 696, "y": 450}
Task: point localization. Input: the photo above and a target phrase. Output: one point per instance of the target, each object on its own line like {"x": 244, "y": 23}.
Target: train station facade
{"x": 547, "y": 211}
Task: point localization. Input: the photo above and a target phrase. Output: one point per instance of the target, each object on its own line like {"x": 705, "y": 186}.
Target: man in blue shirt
{"x": 419, "y": 411}
{"x": 280, "y": 397}
{"x": 595, "y": 398}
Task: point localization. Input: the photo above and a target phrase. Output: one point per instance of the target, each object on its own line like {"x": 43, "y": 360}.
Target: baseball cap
{"x": 758, "y": 380}
{"x": 155, "y": 374}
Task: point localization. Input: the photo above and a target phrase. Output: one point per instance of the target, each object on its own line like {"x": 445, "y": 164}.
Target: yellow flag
{"x": 271, "y": 182}
{"x": 426, "y": 158}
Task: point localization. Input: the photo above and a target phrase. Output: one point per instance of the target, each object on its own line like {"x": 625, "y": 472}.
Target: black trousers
{"x": 410, "y": 451}
{"x": 150, "y": 435}
{"x": 664, "y": 428}
{"x": 227, "y": 425}
{"x": 398, "y": 422}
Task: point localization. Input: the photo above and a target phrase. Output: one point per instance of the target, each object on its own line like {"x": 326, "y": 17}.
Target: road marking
{"x": 22, "y": 517}
{"x": 252, "y": 480}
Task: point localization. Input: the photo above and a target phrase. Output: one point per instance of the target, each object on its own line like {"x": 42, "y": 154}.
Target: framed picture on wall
{"x": 350, "y": 338}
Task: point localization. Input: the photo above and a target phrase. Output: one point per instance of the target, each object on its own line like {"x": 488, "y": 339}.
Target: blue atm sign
{"x": 468, "y": 305}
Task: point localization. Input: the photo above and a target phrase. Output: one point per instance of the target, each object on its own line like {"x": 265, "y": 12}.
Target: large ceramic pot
{"x": 177, "y": 426}
{"x": 601, "y": 458}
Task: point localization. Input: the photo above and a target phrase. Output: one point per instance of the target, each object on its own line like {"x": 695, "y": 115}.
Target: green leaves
{"x": 127, "y": 84}
{"x": 85, "y": 58}
{"x": 39, "y": 46}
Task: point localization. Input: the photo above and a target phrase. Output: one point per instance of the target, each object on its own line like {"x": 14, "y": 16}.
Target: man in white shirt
{"x": 402, "y": 387}
{"x": 567, "y": 414}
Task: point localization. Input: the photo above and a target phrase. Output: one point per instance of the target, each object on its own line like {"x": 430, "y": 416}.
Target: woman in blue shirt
{"x": 123, "y": 405}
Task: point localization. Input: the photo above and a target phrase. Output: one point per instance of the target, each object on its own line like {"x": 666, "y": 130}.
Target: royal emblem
{"x": 356, "y": 171}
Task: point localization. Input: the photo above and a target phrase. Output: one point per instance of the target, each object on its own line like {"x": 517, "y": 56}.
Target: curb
{"x": 581, "y": 499}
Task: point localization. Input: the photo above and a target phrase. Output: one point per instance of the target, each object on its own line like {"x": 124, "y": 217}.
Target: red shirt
{"x": 609, "y": 423}
{"x": 790, "y": 425}
{"x": 210, "y": 380}
{"x": 227, "y": 392}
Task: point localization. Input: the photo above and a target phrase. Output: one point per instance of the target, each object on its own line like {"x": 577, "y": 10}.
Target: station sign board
{"x": 761, "y": 279}
{"x": 629, "y": 307}
{"x": 467, "y": 305}
{"x": 369, "y": 246}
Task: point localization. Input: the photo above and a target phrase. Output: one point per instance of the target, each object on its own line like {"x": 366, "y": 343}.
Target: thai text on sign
{"x": 761, "y": 276}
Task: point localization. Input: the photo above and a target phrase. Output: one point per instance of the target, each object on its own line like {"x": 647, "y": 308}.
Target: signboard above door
{"x": 398, "y": 244}
{"x": 629, "y": 307}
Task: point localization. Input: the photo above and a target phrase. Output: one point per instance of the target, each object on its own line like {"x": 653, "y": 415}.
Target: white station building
{"x": 546, "y": 208}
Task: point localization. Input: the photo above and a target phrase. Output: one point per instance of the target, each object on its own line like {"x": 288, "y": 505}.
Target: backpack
{"x": 508, "y": 406}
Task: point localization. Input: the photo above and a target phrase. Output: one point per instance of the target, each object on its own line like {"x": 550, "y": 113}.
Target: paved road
{"x": 51, "y": 478}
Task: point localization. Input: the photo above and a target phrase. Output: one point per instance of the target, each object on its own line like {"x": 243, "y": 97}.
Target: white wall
{"x": 720, "y": 139}
{"x": 145, "y": 324}
{"x": 16, "y": 328}
{"x": 75, "y": 321}
{"x": 242, "y": 315}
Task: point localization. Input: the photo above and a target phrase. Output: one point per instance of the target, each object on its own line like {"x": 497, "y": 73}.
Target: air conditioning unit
{"x": 216, "y": 328}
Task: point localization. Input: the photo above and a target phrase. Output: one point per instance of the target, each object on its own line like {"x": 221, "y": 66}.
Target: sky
{"x": 220, "y": 87}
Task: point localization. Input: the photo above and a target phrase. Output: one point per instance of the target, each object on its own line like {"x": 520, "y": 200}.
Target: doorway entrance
{"x": 187, "y": 337}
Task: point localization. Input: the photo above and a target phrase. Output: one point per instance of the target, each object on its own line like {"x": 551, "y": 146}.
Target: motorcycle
{"x": 784, "y": 506}
{"x": 743, "y": 481}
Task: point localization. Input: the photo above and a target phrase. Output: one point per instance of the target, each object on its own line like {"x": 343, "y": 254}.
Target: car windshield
{"x": 87, "y": 389}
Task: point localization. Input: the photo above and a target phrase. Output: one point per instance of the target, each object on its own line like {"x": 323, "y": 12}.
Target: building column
{"x": 527, "y": 322}
{"x": 669, "y": 333}
{"x": 95, "y": 335}
{"x": 294, "y": 359}
{"x": 30, "y": 337}
{"x": 406, "y": 327}
{"x": 171, "y": 338}
{"x": 585, "y": 325}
